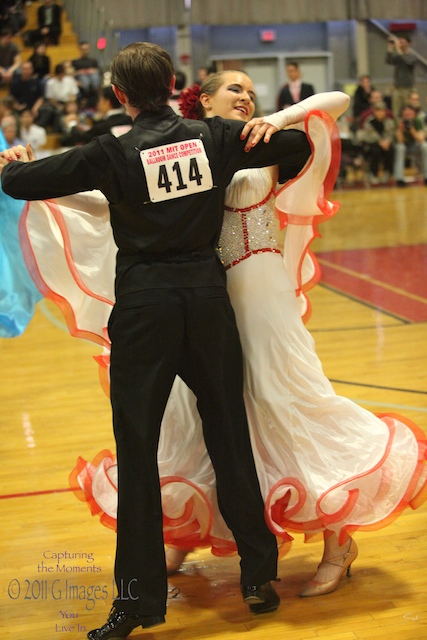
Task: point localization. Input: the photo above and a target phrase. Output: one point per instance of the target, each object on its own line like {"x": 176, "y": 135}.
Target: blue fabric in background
{"x": 18, "y": 293}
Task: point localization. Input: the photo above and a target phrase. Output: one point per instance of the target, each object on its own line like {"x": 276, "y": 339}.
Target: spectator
{"x": 202, "y": 74}
{"x": 59, "y": 90}
{"x": 376, "y": 96}
{"x": 7, "y": 110}
{"x": 399, "y": 55}
{"x": 4, "y": 16}
{"x": 377, "y": 138}
{"x": 414, "y": 99}
{"x": 351, "y": 151}
{"x": 10, "y": 57}
{"x": 41, "y": 61}
{"x": 362, "y": 96}
{"x": 26, "y": 90}
{"x": 294, "y": 90}
{"x": 69, "y": 69}
{"x": 6, "y": 107}
{"x": 87, "y": 74}
{"x": 49, "y": 22}
{"x": 31, "y": 132}
{"x": 181, "y": 81}
{"x": 111, "y": 116}
{"x": 71, "y": 117}
{"x": 13, "y": 15}
{"x": 9, "y": 127}
{"x": 410, "y": 144}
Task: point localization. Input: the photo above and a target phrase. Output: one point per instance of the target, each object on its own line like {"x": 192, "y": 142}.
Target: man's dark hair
{"x": 143, "y": 71}
{"x": 108, "y": 94}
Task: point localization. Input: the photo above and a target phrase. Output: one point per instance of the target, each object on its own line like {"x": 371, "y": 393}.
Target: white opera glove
{"x": 332, "y": 102}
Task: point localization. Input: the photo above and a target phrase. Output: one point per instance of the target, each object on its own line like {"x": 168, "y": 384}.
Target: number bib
{"x": 176, "y": 170}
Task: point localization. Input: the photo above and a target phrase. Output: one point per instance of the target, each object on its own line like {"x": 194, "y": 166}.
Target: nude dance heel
{"x": 174, "y": 559}
{"x": 343, "y": 562}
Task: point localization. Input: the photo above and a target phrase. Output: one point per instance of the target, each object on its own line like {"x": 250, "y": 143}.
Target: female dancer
{"x": 307, "y": 441}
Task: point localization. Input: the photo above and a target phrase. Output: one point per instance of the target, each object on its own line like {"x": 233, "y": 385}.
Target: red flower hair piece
{"x": 188, "y": 102}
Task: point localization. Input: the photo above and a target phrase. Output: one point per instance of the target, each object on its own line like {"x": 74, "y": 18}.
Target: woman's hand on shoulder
{"x": 255, "y": 130}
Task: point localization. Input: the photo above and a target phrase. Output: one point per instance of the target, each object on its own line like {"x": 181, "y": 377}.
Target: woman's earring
{"x": 208, "y": 107}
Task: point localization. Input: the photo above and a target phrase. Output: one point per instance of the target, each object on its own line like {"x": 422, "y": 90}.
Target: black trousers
{"x": 378, "y": 157}
{"x": 157, "y": 334}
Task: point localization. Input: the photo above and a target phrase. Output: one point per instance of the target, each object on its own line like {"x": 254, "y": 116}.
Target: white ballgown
{"x": 324, "y": 463}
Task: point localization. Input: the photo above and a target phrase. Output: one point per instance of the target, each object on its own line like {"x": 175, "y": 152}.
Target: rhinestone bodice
{"x": 248, "y": 230}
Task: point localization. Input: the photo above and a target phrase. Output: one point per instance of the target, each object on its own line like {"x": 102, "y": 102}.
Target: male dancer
{"x": 165, "y": 182}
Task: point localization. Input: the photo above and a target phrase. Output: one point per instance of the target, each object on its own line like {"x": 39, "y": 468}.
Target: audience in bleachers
{"x": 72, "y": 104}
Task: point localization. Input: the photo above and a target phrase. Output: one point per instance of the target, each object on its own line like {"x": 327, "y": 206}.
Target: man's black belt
{"x": 168, "y": 258}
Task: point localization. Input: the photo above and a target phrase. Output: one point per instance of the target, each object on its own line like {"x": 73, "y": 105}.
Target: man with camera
{"x": 401, "y": 57}
{"x": 410, "y": 144}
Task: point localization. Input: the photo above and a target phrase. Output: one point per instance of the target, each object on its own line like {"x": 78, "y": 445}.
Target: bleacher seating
{"x": 67, "y": 49}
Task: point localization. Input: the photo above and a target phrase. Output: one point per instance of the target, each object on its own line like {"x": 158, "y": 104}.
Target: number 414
{"x": 193, "y": 174}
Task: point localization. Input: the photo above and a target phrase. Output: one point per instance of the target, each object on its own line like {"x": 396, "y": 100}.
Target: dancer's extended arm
{"x": 335, "y": 103}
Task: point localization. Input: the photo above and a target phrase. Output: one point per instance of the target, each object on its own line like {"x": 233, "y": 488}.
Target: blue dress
{"x": 18, "y": 293}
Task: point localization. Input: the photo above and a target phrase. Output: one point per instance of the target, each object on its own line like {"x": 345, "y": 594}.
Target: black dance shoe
{"x": 120, "y": 624}
{"x": 263, "y": 599}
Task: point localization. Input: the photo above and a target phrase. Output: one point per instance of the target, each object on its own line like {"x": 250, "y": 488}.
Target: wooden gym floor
{"x": 370, "y": 325}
